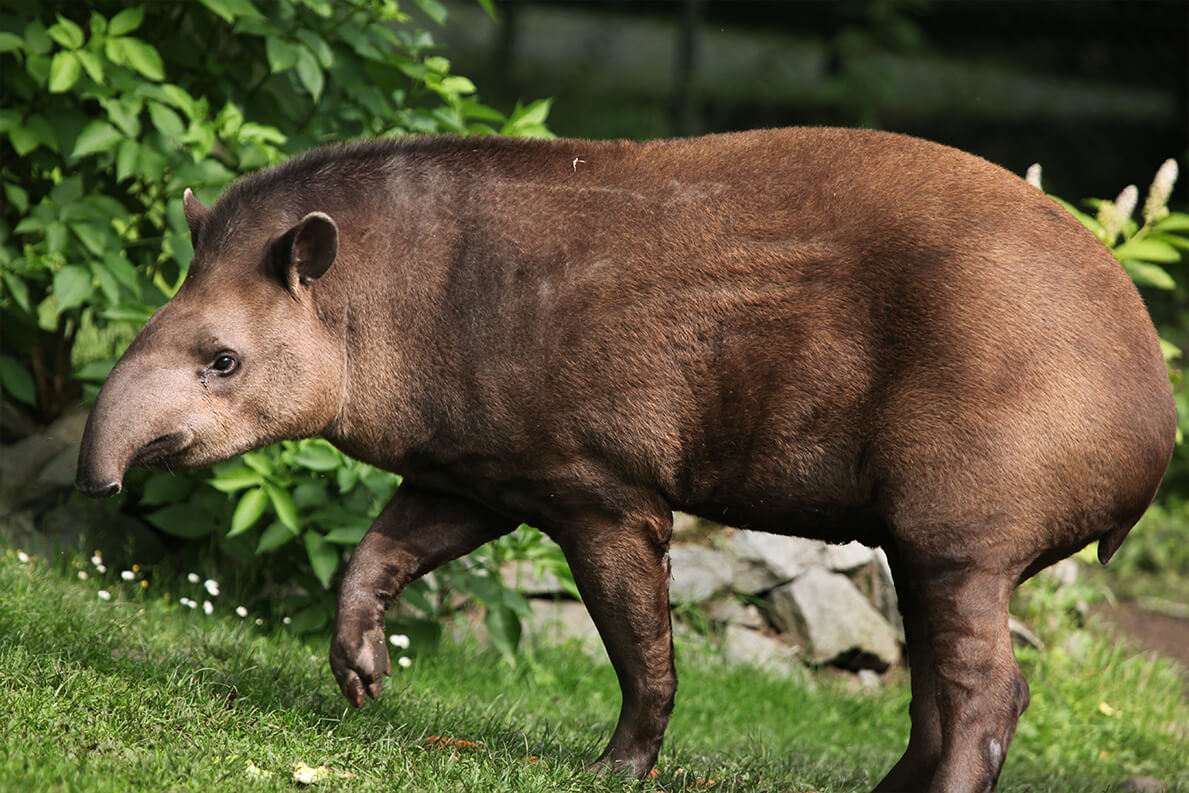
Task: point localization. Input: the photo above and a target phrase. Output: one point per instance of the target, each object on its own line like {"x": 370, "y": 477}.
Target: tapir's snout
{"x": 97, "y": 489}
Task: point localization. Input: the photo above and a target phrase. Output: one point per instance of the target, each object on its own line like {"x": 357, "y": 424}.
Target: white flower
{"x": 193, "y": 578}
{"x": 404, "y": 662}
{"x": 1033, "y": 175}
{"x": 82, "y": 575}
{"x": 399, "y": 640}
{"x": 1156, "y": 205}
{"x": 1113, "y": 215}
{"x": 102, "y": 568}
{"x": 127, "y": 575}
{"x": 287, "y": 620}
{"x": 104, "y": 594}
{"x": 22, "y": 557}
{"x": 212, "y": 586}
{"x": 260, "y": 620}
{"x": 241, "y": 611}
{"x": 188, "y": 603}
{"x": 97, "y": 559}
{"x": 207, "y": 607}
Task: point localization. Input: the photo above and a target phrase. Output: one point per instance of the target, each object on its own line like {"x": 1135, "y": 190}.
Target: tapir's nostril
{"x": 97, "y": 490}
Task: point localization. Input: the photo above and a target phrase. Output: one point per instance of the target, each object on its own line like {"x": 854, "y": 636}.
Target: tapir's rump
{"x": 834, "y": 333}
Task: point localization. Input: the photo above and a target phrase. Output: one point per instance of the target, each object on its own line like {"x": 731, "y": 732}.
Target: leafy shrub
{"x": 101, "y": 133}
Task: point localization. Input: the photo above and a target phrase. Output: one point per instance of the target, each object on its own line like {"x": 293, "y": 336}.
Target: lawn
{"x": 141, "y": 693}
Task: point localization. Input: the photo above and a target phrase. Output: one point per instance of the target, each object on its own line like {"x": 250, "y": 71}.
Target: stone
{"x": 698, "y": 573}
{"x": 745, "y": 647}
{"x": 763, "y": 561}
{"x": 844, "y": 558}
{"x": 559, "y": 621}
{"x": 523, "y": 576}
{"x": 874, "y": 581}
{"x": 824, "y": 613}
{"x": 730, "y": 611}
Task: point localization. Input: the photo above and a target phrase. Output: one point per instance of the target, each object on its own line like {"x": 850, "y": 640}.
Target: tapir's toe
{"x": 359, "y": 663}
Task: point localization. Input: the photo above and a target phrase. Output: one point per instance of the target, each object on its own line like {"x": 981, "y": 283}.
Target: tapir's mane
{"x": 346, "y": 171}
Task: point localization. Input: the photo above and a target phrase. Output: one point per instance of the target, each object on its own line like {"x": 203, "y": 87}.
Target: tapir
{"x": 837, "y": 334}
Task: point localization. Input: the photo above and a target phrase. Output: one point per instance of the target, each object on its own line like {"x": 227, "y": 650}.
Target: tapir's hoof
{"x": 638, "y": 767}
{"x": 359, "y": 661}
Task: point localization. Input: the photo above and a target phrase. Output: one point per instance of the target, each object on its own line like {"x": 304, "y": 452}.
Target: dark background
{"x": 1097, "y": 92}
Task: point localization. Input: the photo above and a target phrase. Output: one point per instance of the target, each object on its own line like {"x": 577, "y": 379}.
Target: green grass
{"x": 139, "y": 693}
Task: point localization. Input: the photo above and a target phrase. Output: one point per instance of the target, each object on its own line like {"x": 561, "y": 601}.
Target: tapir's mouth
{"x": 162, "y": 449}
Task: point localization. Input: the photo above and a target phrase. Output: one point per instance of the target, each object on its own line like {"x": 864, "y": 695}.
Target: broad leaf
{"x": 324, "y": 557}
{"x": 72, "y": 286}
{"x": 249, "y": 509}
{"x": 96, "y": 137}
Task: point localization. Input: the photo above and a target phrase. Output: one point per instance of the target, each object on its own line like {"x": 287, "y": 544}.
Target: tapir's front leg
{"x": 417, "y": 531}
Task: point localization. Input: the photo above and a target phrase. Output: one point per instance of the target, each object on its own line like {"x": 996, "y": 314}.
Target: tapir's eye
{"x": 224, "y": 364}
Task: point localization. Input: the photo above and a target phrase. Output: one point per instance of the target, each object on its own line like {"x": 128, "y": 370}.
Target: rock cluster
{"x": 778, "y": 601}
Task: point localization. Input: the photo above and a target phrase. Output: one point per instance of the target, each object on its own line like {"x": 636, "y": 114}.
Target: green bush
{"x": 101, "y": 132}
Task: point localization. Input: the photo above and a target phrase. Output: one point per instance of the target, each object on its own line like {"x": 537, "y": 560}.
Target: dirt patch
{"x": 1165, "y": 634}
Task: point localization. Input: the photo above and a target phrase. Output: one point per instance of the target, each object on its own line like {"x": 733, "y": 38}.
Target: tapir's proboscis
{"x": 838, "y": 334}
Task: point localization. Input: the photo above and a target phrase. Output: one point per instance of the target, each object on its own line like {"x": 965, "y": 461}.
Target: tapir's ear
{"x": 305, "y": 252}
{"x": 196, "y": 213}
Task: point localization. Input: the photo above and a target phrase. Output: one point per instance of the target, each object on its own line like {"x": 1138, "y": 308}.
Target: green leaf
{"x": 183, "y": 520}
{"x": 10, "y": 42}
{"x": 433, "y": 9}
{"x": 123, "y": 270}
{"x": 1148, "y": 250}
{"x": 18, "y": 289}
{"x": 503, "y": 626}
{"x": 92, "y": 65}
{"x": 309, "y": 72}
{"x": 346, "y": 535}
{"x": 64, "y": 72}
{"x": 36, "y": 38}
{"x": 126, "y": 21}
{"x": 249, "y": 509}
{"x": 17, "y": 196}
{"x": 274, "y": 536}
{"x": 142, "y": 57}
{"x": 72, "y": 286}
{"x": 231, "y": 10}
{"x": 1145, "y": 274}
{"x": 96, "y": 137}
{"x": 66, "y": 33}
{"x": 282, "y": 504}
{"x": 1177, "y": 221}
{"x": 317, "y": 456}
{"x": 94, "y": 238}
{"x": 489, "y": 7}
{"x": 165, "y": 488}
{"x": 318, "y": 46}
{"x": 167, "y": 122}
{"x": 281, "y": 54}
{"x": 322, "y": 8}
{"x": 258, "y": 461}
{"x": 236, "y": 479}
{"x": 126, "y": 159}
{"x": 324, "y": 557}
{"x": 16, "y": 380}
{"x": 96, "y": 371}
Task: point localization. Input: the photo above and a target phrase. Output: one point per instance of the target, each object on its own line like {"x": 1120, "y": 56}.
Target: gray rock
{"x": 746, "y": 647}
{"x": 41, "y": 463}
{"x": 698, "y": 573}
{"x": 826, "y": 614}
{"x": 730, "y": 611}
{"x": 763, "y": 561}
{"x": 563, "y": 621}
{"x": 1143, "y": 784}
{"x": 844, "y": 558}
{"x": 874, "y": 580}
{"x": 523, "y": 576}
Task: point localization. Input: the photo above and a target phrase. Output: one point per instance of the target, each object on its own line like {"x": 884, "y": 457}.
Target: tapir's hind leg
{"x": 622, "y": 572}
{"x": 417, "y": 531}
{"x": 975, "y": 682}
{"x": 914, "y": 771}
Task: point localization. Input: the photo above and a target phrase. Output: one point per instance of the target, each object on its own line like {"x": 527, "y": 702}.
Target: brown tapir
{"x": 833, "y": 333}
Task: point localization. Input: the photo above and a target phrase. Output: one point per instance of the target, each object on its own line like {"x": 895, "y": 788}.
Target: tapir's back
{"x": 812, "y": 324}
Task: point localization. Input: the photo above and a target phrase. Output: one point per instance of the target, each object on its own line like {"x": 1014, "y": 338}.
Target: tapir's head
{"x": 241, "y": 357}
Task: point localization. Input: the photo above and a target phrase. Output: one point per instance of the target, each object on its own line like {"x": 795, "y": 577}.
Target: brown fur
{"x": 838, "y": 334}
